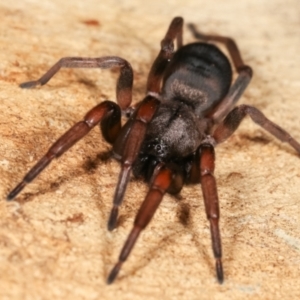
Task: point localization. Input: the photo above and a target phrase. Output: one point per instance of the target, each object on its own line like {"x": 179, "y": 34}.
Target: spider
{"x": 170, "y": 136}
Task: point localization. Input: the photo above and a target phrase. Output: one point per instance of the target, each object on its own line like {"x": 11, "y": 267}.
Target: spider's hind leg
{"x": 125, "y": 80}
{"x": 227, "y": 41}
{"x": 240, "y": 84}
{"x": 235, "y": 117}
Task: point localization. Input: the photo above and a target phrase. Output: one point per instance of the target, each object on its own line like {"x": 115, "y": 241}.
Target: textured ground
{"x": 53, "y": 239}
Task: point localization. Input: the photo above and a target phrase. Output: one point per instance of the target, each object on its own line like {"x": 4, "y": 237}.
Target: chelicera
{"x": 170, "y": 136}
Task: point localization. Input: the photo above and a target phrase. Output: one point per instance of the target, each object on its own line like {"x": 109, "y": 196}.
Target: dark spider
{"x": 170, "y": 136}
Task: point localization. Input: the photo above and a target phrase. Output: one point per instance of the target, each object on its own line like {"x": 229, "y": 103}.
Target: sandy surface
{"x": 53, "y": 238}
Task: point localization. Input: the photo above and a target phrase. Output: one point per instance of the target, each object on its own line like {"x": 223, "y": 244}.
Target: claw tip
{"x": 29, "y": 84}
{"x": 219, "y": 270}
{"x": 114, "y": 272}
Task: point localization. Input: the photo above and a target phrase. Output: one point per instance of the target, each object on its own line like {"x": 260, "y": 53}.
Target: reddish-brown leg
{"x": 165, "y": 54}
{"x": 235, "y": 117}
{"x": 161, "y": 182}
{"x": 125, "y": 80}
{"x": 240, "y": 84}
{"x": 74, "y": 134}
{"x": 211, "y": 201}
{"x": 127, "y": 147}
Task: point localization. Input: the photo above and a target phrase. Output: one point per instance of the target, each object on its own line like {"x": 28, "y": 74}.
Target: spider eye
{"x": 157, "y": 148}
{"x": 160, "y": 150}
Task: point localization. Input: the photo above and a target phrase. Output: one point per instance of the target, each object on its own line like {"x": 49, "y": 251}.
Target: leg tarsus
{"x": 219, "y": 270}
{"x": 113, "y": 217}
{"x": 16, "y": 190}
{"x": 174, "y": 32}
{"x": 114, "y": 272}
{"x": 30, "y": 84}
{"x": 129, "y": 244}
{"x": 34, "y": 171}
{"x": 123, "y": 180}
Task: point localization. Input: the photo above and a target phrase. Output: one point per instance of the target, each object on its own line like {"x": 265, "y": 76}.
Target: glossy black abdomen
{"x": 199, "y": 75}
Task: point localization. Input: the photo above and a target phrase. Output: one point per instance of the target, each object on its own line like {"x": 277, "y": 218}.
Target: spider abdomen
{"x": 199, "y": 75}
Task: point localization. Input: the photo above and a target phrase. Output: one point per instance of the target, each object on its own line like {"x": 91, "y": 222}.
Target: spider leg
{"x": 234, "y": 118}
{"x": 228, "y": 42}
{"x": 165, "y": 54}
{"x": 244, "y": 74}
{"x": 127, "y": 147}
{"x": 194, "y": 170}
{"x": 211, "y": 202}
{"x": 234, "y": 94}
{"x": 74, "y": 134}
{"x": 125, "y": 80}
{"x": 162, "y": 179}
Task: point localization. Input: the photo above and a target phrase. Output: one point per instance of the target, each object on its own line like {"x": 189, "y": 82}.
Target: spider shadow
{"x": 185, "y": 218}
{"x": 89, "y": 166}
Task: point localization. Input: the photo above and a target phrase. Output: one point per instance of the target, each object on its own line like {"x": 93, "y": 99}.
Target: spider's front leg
{"x": 211, "y": 202}
{"x": 165, "y": 54}
{"x": 108, "y": 111}
{"x": 127, "y": 147}
{"x": 162, "y": 180}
